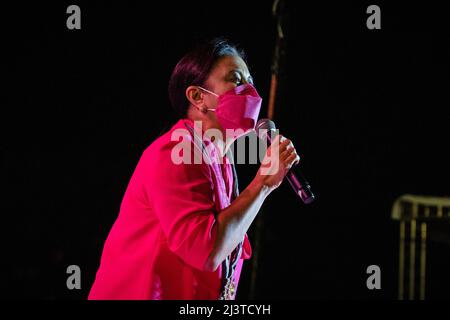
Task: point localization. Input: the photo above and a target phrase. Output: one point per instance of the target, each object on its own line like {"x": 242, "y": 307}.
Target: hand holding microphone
{"x": 279, "y": 162}
{"x": 280, "y": 157}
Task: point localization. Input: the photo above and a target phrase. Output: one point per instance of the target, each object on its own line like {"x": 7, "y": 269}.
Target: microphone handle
{"x": 297, "y": 180}
{"x": 300, "y": 186}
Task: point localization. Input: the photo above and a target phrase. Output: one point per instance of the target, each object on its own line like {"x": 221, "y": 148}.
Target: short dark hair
{"x": 194, "y": 68}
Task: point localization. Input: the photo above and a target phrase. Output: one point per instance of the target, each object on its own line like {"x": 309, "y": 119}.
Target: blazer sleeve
{"x": 182, "y": 197}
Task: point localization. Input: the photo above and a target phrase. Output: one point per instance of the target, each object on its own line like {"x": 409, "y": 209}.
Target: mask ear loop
{"x": 210, "y": 92}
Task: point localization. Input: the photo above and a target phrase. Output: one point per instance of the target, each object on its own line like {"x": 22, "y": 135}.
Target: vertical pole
{"x": 278, "y": 13}
{"x": 423, "y": 252}
{"x": 255, "y": 258}
{"x": 401, "y": 262}
{"x": 412, "y": 259}
{"x": 272, "y": 96}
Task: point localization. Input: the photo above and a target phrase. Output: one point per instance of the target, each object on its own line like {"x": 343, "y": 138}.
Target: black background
{"x": 366, "y": 109}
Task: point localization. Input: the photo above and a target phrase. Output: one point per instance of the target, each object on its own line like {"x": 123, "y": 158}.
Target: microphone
{"x": 294, "y": 176}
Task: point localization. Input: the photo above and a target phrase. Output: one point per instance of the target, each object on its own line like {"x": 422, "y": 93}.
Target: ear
{"x": 195, "y": 97}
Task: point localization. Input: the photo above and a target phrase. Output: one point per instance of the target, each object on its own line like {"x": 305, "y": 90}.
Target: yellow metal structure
{"x": 414, "y": 212}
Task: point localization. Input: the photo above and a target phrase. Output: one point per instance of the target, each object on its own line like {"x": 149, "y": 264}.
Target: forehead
{"x": 230, "y": 63}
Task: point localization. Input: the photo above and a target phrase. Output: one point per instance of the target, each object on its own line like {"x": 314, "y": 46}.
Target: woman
{"x": 181, "y": 230}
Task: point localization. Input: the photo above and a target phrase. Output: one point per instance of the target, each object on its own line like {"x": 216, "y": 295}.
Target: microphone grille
{"x": 265, "y": 124}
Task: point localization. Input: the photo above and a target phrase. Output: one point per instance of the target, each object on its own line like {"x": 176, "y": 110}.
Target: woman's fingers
{"x": 291, "y": 160}
{"x": 286, "y": 150}
{"x": 284, "y": 144}
{"x": 286, "y": 153}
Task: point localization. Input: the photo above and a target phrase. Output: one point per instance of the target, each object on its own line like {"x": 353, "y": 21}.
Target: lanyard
{"x": 231, "y": 261}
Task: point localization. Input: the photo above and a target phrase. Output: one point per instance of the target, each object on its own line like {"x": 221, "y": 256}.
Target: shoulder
{"x": 173, "y": 152}
{"x": 165, "y": 145}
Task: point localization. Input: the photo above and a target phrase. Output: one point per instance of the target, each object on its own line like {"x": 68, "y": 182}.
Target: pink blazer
{"x": 166, "y": 228}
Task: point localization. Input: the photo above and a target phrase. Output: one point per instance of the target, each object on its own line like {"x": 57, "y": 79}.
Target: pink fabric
{"x": 239, "y": 108}
{"x": 166, "y": 229}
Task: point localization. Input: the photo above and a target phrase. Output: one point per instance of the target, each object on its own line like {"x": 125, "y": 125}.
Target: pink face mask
{"x": 238, "y": 108}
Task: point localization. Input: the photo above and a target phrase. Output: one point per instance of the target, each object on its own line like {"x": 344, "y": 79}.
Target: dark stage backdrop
{"x": 366, "y": 109}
